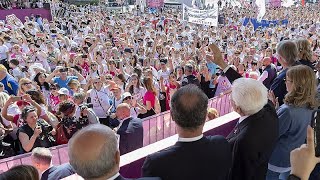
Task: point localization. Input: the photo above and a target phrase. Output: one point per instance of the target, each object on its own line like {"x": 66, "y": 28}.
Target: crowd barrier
{"x": 21, "y": 13}
{"x": 156, "y": 128}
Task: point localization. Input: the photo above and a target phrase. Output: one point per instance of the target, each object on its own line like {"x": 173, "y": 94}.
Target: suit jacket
{"x": 58, "y": 172}
{"x": 252, "y": 142}
{"x": 131, "y": 135}
{"x": 146, "y": 178}
{"x": 279, "y": 86}
{"x": 207, "y": 158}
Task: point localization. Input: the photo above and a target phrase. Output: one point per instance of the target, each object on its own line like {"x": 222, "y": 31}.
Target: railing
{"x": 156, "y": 128}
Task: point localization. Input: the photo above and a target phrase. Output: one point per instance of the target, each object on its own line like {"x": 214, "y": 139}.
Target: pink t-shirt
{"x": 149, "y": 96}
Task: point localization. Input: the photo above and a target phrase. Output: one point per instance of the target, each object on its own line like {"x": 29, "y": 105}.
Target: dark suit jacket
{"x": 131, "y": 135}
{"x": 252, "y": 142}
{"x": 147, "y": 178}
{"x": 279, "y": 86}
{"x": 207, "y": 158}
{"x": 58, "y": 172}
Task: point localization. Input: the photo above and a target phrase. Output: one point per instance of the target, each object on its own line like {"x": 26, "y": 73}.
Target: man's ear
{"x": 117, "y": 157}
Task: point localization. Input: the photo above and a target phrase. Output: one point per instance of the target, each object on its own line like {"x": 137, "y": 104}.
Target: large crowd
{"x": 92, "y": 66}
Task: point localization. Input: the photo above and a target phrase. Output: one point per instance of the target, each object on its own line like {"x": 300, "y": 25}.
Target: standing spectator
{"x": 130, "y": 130}
{"x": 61, "y": 77}
{"x": 305, "y": 52}
{"x": 10, "y": 84}
{"x": 189, "y": 77}
{"x": 287, "y": 56}
{"x": 255, "y": 135}
{"x": 42, "y": 160}
{"x": 269, "y": 73}
{"x": 293, "y": 118}
{"x": 189, "y": 111}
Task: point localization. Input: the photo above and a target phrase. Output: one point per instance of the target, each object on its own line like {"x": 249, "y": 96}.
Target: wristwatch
{"x": 293, "y": 177}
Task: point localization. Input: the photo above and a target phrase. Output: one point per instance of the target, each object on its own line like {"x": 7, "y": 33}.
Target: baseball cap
{"x": 64, "y": 91}
{"x": 126, "y": 94}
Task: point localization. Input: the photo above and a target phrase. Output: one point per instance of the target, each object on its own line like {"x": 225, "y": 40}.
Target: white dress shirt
{"x": 114, "y": 176}
{"x": 180, "y": 139}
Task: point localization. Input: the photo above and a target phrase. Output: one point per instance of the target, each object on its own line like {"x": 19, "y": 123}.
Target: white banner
{"x": 207, "y": 17}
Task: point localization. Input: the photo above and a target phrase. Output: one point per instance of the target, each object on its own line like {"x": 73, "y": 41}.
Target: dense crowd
{"x": 59, "y": 76}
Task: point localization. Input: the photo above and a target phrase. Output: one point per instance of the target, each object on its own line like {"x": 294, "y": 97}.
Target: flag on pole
{"x": 261, "y": 8}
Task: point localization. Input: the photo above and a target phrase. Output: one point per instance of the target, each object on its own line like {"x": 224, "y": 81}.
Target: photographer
{"x": 76, "y": 117}
{"x": 36, "y": 132}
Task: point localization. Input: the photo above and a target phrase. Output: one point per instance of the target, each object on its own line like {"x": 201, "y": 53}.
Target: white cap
{"x": 64, "y": 91}
{"x": 126, "y": 94}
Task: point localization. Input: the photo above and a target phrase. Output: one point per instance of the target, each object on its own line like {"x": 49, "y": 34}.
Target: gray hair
{"x": 105, "y": 159}
{"x": 249, "y": 94}
{"x": 288, "y": 51}
{"x": 42, "y": 155}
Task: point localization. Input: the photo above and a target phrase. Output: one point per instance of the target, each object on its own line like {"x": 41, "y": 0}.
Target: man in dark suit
{"x": 194, "y": 156}
{"x": 41, "y": 159}
{"x": 255, "y": 135}
{"x": 94, "y": 154}
{"x": 130, "y": 130}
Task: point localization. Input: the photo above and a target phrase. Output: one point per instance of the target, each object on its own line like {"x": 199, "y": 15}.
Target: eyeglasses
{"x": 94, "y": 64}
{"x": 27, "y": 83}
{"x": 96, "y": 82}
{"x": 53, "y": 88}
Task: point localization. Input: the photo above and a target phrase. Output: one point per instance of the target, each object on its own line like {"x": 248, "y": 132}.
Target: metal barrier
{"x": 156, "y": 128}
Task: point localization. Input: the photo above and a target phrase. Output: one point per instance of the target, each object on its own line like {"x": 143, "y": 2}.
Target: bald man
{"x": 130, "y": 130}
{"x": 98, "y": 159}
{"x": 269, "y": 72}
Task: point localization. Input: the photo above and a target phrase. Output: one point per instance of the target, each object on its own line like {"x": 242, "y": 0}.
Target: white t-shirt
{"x": 100, "y": 101}
{"x": 3, "y": 52}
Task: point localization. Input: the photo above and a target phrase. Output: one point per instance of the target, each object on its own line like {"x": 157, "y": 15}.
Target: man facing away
{"x": 130, "y": 130}
{"x": 42, "y": 160}
{"x": 94, "y": 154}
{"x": 194, "y": 156}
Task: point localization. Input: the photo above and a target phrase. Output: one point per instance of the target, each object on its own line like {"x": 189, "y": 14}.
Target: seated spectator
{"x": 212, "y": 114}
{"x": 255, "y": 135}
{"x": 130, "y": 130}
{"x": 299, "y": 103}
{"x": 21, "y": 172}
{"x": 98, "y": 159}
{"x": 41, "y": 159}
{"x": 210, "y": 156}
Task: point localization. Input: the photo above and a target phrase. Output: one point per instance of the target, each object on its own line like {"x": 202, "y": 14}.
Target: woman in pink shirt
{"x": 149, "y": 98}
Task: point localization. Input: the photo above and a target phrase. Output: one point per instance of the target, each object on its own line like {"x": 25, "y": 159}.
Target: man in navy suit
{"x": 130, "y": 130}
{"x": 94, "y": 154}
{"x": 194, "y": 156}
{"x": 41, "y": 159}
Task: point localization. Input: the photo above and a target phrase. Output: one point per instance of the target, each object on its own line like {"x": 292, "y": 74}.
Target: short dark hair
{"x": 14, "y": 62}
{"x": 26, "y": 110}
{"x": 189, "y": 107}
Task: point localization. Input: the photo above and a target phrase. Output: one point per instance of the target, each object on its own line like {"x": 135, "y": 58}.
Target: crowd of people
{"x": 92, "y": 66}
{"x": 21, "y": 4}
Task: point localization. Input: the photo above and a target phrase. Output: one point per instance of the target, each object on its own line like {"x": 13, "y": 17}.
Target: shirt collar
{"x": 180, "y": 139}
{"x": 242, "y": 118}
{"x": 114, "y": 176}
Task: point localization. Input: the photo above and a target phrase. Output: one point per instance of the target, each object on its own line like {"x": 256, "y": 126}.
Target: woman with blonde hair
{"x": 294, "y": 117}
{"x": 305, "y": 52}
{"x": 25, "y": 85}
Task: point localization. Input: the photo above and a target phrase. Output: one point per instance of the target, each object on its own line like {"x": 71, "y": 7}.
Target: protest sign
{"x": 206, "y": 17}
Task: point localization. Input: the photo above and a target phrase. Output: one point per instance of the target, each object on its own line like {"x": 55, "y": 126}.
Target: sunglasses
{"x": 127, "y": 98}
{"x": 27, "y": 83}
{"x": 96, "y": 82}
{"x": 53, "y": 88}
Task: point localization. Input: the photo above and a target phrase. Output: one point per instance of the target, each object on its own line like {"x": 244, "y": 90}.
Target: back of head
{"x": 41, "y": 156}
{"x": 94, "y": 158}
{"x": 288, "y": 51}
{"x": 304, "y": 49}
{"x": 304, "y": 87}
{"x": 249, "y": 95}
{"x": 189, "y": 107}
{"x": 21, "y": 172}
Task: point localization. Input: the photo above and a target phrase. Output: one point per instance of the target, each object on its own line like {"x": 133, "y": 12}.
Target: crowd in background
{"x": 59, "y": 76}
